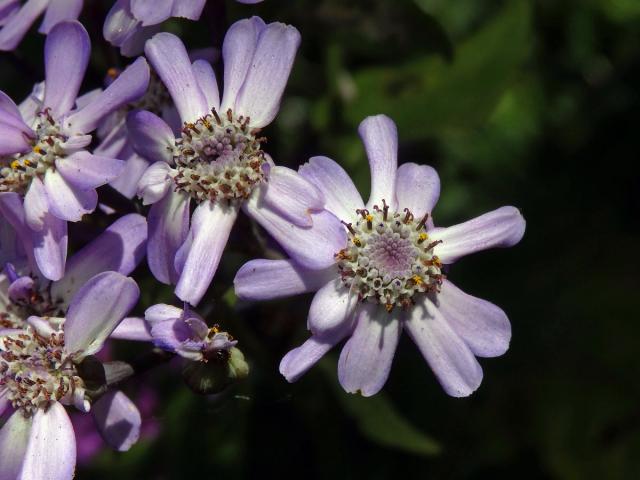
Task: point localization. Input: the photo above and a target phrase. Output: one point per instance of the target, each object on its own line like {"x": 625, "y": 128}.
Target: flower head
{"x": 16, "y": 19}
{"x": 47, "y": 176}
{"x": 47, "y": 329}
{"x": 217, "y": 162}
{"x": 378, "y": 269}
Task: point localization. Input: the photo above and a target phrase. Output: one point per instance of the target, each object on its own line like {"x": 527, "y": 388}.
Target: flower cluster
{"x": 190, "y": 156}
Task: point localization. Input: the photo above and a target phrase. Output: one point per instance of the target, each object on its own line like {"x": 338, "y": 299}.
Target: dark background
{"x": 528, "y": 103}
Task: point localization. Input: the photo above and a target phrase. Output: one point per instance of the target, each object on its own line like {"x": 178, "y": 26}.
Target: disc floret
{"x": 219, "y": 157}
{"x": 17, "y": 171}
{"x": 389, "y": 258}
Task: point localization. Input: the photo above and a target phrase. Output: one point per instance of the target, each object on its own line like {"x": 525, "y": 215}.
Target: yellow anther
{"x": 113, "y": 72}
{"x": 422, "y": 237}
{"x": 417, "y": 279}
{"x": 37, "y": 149}
{"x": 357, "y": 242}
{"x": 26, "y": 162}
{"x": 369, "y": 218}
{"x": 436, "y": 261}
{"x": 15, "y": 164}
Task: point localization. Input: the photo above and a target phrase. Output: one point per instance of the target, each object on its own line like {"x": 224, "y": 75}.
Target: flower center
{"x": 35, "y": 370}
{"x": 389, "y": 258}
{"x": 219, "y": 157}
{"x": 37, "y": 301}
{"x": 17, "y": 171}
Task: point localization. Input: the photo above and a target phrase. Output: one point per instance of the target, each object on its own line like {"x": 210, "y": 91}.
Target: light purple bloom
{"x": 381, "y": 272}
{"x": 218, "y": 160}
{"x": 130, "y": 23}
{"x": 185, "y": 333}
{"x": 46, "y": 329}
{"x": 16, "y": 17}
{"x": 47, "y": 176}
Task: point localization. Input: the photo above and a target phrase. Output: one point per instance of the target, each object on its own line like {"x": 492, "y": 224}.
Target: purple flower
{"x": 382, "y": 273}
{"x": 46, "y": 329}
{"x": 218, "y": 161}
{"x": 47, "y": 176}
{"x": 16, "y": 19}
{"x": 130, "y": 23}
{"x": 185, "y": 333}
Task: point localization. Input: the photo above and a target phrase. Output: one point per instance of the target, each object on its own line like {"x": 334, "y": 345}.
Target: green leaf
{"x": 379, "y": 421}
{"x": 427, "y": 95}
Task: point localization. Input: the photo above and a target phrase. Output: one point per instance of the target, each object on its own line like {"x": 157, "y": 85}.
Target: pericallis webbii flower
{"x": 212, "y": 360}
{"x": 130, "y": 23}
{"x": 16, "y": 17}
{"x": 217, "y": 162}
{"x": 378, "y": 270}
{"x": 47, "y": 329}
{"x": 43, "y": 156}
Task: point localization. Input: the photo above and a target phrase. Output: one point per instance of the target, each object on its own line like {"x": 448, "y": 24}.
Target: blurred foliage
{"x": 530, "y": 103}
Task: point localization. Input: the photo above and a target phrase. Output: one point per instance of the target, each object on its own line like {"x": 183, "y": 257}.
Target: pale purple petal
{"x": 255, "y": 279}
{"x": 10, "y": 114}
{"x": 50, "y": 247}
{"x": 313, "y": 247}
{"x": 292, "y": 196}
{"x": 162, "y": 312}
{"x": 12, "y": 210}
{"x": 21, "y": 289}
{"x": 130, "y": 85}
{"x": 66, "y": 55}
{"x": 150, "y": 136}
{"x": 299, "y": 360}
{"x": 132, "y": 328}
{"x": 168, "y": 229}
{"x": 51, "y": 452}
{"x": 120, "y": 248}
{"x": 191, "y": 9}
{"x": 118, "y": 420}
{"x": 169, "y": 58}
{"x": 417, "y": 188}
{"x": 14, "y": 438}
{"x": 59, "y": 11}
{"x": 36, "y": 204}
{"x": 448, "y": 355}
{"x": 66, "y": 201}
{"x": 7, "y": 9}
{"x": 365, "y": 360}
{"x": 16, "y": 27}
{"x": 259, "y": 97}
{"x": 85, "y": 171}
{"x": 237, "y": 51}
{"x": 155, "y": 183}
{"x": 120, "y": 24}
{"x": 151, "y": 12}
{"x": 172, "y": 335}
{"x": 380, "y": 138}
{"x": 31, "y": 105}
{"x": 12, "y": 140}
{"x": 206, "y": 78}
{"x": 331, "y": 307}
{"x": 95, "y": 311}
{"x": 341, "y": 196}
{"x": 481, "y": 324}
{"x": 134, "y": 44}
{"x": 210, "y": 228}
{"x": 127, "y": 182}
{"x": 503, "y": 227}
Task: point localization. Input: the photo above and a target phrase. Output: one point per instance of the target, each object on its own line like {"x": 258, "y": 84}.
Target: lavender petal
{"x": 448, "y": 355}
{"x": 66, "y": 56}
{"x": 365, "y": 360}
{"x": 255, "y": 279}
{"x": 503, "y": 227}
{"x": 95, "y": 311}
{"x": 118, "y": 420}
